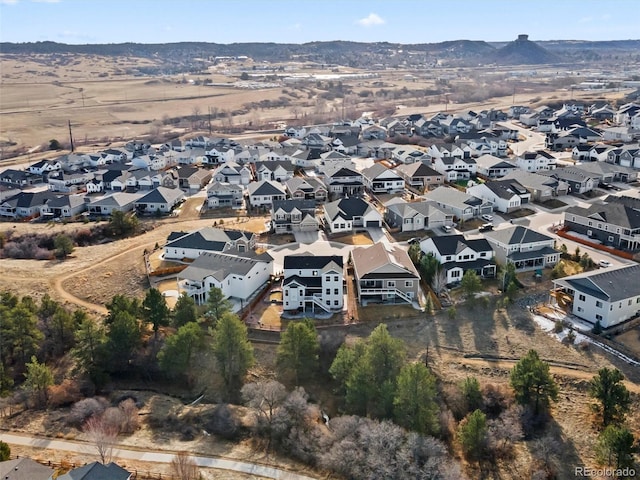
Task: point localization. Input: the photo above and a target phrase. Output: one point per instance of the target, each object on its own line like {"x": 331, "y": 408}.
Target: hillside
{"x": 523, "y": 51}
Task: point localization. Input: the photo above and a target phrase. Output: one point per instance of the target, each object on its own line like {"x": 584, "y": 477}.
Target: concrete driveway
{"x": 310, "y": 237}
{"x": 378, "y": 234}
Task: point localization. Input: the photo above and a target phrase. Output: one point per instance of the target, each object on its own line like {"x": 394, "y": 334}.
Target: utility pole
{"x": 209, "y": 121}
{"x": 70, "y": 137}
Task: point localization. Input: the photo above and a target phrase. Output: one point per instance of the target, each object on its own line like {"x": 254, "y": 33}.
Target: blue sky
{"x": 299, "y": 21}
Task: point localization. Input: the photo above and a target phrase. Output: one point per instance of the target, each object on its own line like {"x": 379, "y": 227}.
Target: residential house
{"x": 453, "y": 125}
{"x": 60, "y": 181}
{"x": 626, "y": 112}
{"x": 316, "y": 141}
{"x": 461, "y": 205}
{"x": 343, "y": 181}
{"x": 150, "y": 162}
{"x": 278, "y": 170}
{"x": 294, "y": 216}
{"x": 609, "y": 297}
{"x": 582, "y": 152}
{"x": 541, "y": 187}
{"x": 24, "y": 469}
{"x": 224, "y": 195}
{"x": 599, "y": 153}
{"x": 193, "y": 178}
{"x": 44, "y": 167}
{"x": 398, "y": 127}
{"x": 116, "y": 155}
{"x": 347, "y": 144}
{"x": 312, "y": 282}
{"x": 604, "y": 172}
{"x": 159, "y": 201}
{"x": 458, "y": 254}
{"x": 380, "y": 179}
{"x": 602, "y": 113}
{"x": 306, "y": 188}
{"x": 618, "y": 134}
{"x": 65, "y": 206}
{"x": 19, "y": 178}
{"x": 333, "y": 160}
{"x": 220, "y": 154}
{"x": 580, "y": 181}
{"x": 505, "y": 195}
{"x": 419, "y": 177}
{"x": 407, "y": 154}
{"x": 374, "y": 132}
{"x": 536, "y": 161}
{"x": 26, "y": 204}
{"x": 614, "y": 223}
{"x": 416, "y": 216}
{"x": 264, "y": 192}
{"x": 94, "y": 186}
{"x": 191, "y": 245}
{"x": 427, "y": 128}
{"x": 119, "y": 201}
{"x": 97, "y": 471}
{"x": 525, "y": 248}
{"x": 491, "y": 167}
{"x": 350, "y": 214}
{"x": 455, "y": 168}
{"x": 238, "y": 276}
{"x": 232, "y": 173}
{"x": 385, "y": 274}
{"x": 626, "y": 156}
{"x": 295, "y": 132}
{"x": 306, "y": 158}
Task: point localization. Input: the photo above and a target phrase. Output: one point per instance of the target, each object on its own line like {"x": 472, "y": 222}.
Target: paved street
{"x": 152, "y": 456}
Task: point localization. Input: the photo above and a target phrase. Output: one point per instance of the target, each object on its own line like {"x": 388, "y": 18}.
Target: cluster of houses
{"x": 24, "y": 468}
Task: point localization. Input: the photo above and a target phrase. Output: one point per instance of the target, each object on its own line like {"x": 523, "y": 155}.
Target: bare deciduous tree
{"x": 184, "y": 467}
{"x": 439, "y": 281}
{"x": 102, "y": 434}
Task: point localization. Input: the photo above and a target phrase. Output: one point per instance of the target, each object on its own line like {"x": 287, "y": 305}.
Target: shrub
{"x": 130, "y": 419}
{"x": 558, "y": 327}
{"x": 223, "y": 423}
{"x": 85, "y": 409}
{"x": 66, "y": 393}
{"x": 114, "y": 418}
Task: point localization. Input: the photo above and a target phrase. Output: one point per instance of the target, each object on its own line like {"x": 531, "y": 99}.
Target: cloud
{"x": 371, "y": 20}
{"x": 8, "y": 2}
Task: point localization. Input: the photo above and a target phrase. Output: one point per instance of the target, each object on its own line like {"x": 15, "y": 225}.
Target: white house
{"x": 457, "y": 254}
{"x": 455, "y": 168}
{"x": 380, "y": 179}
{"x": 232, "y": 173}
{"x": 263, "y": 193}
{"x": 239, "y": 277}
{"x": 313, "y": 282}
{"x": 535, "y": 161}
{"x": 463, "y": 206}
{"x": 349, "y": 214}
{"x": 505, "y": 195}
{"x": 161, "y": 200}
{"x": 610, "y": 297}
{"x": 119, "y": 201}
{"x": 208, "y": 240}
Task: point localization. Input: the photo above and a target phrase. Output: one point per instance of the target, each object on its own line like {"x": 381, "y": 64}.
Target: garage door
{"x": 373, "y": 223}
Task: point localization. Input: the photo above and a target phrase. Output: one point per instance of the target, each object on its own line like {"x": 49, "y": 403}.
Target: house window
{"x": 598, "y": 304}
{"x": 328, "y": 302}
{"x": 591, "y": 224}
{"x": 610, "y": 238}
{"x": 336, "y": 291}
{"x": 589, "y": 233}
{"x": 286, "y": 304}
{"x": 599, "y": 317}
{"x": 408, "y": 283}
{"x": 328, "y": 291}
{"x": 630, "y": 302}
{"x": 336, "y": 303}
{"x": 327, "y": 279}
{"x": 582, "y": 298}
{"x": 286, "y": 293}
{"x": 315, "y": 273}
{"x": 580, "y": 309}
{"x": 335, "y": 279}
{"x": 391, "y": 283}
{"x": 455, "y": 273}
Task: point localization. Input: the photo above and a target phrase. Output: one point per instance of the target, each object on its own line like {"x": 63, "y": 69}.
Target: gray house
{"x": 416, "y": 216}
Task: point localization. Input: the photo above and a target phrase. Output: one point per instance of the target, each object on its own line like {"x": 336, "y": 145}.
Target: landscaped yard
{"x": 553, "y": 204}
{"x": 404, "y": 236}
{"x": 470, "y": 224}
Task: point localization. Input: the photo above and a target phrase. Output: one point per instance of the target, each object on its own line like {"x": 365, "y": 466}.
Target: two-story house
{"x": 505, "y": 195}
{"x": 278, "y": 170}
{"x": 460, "y": 204}
{"x": 306, "y": 188}
{"x": 455, "y": 168}
{"x": 609, "y": 297}
{"x": 224, "y": 195}
{"x": 217, "y": 240}
{"x": 294, "y": 215}
{"x": 343, "y": 181}
{"x": 385, "y": 274}
{"x": 492, "y": 167}
{"x": 232, "y": 173}
{"x": 457, "y": 254}
{"x": 579, "y": 181}
{"x": 536, "y": 161}
{"x": 264, "y": 192}
{"x": 615, "y": 222}
{"x": 525, "y": 248}
{"x": 541, "y": 187}
{"x": 380, "y": 179}
{"x": 313, "y": 283}
{"x": 416, "y": 216}
{"x": 419, "y": 176}
{"x": 350, "y": 214}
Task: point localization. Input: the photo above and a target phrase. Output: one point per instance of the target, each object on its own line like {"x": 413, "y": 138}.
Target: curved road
{"x": 156, "y": 456}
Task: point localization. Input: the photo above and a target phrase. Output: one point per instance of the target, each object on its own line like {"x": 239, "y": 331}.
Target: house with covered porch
{"x": 525, "y": 248}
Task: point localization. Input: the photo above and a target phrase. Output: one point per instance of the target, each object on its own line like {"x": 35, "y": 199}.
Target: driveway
{"x": 310, "y": 237}
{"x": 378, "y": 234}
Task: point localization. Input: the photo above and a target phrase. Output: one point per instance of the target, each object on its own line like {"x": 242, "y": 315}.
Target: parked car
{"x": 487, "y": 217}
{"x": 604, "y": 264}
{"x": 486, "y": 227}
{"x": 446, "y": 229}
{"x": 413, "y": 241}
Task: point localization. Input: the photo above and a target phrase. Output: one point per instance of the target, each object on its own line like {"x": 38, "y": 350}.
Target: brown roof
{"x": 382, "y": 260}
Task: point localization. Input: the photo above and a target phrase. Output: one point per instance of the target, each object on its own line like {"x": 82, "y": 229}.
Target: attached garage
{"x": 373, "y": 223}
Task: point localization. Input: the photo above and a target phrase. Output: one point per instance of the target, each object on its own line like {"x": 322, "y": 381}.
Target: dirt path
{"x": 570, "y": 371}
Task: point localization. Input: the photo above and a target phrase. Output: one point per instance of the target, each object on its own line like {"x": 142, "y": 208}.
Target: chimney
{"x": 522, "y": 37}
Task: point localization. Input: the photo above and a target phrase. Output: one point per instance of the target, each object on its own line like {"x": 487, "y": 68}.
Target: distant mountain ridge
{"x": 355, "y": 54}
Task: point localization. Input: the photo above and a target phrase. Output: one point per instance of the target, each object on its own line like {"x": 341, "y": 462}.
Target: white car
{"x": 487, "y": 217}
{"x": 604, "y": 264}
